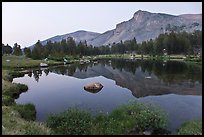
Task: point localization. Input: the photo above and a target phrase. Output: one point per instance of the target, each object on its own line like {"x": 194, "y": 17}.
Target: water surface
{"x": 174, "y": 86}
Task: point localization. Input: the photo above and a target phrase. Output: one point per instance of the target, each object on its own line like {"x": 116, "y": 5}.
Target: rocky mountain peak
{"x": 140, "y": 15}
{"x": 141, "y": 12}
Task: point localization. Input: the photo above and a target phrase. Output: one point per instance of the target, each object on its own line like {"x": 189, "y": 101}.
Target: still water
{"x": 174, "y": 86}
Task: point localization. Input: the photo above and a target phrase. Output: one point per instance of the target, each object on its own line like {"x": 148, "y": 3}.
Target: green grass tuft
{"x": 191, "y": 128}
{"x": 26, "y": 111}
{"x": 7, "y": 100}
{"x": 70, "y": 122}
{"x": 15, "y": 90}
{"x": 13, "y": 124}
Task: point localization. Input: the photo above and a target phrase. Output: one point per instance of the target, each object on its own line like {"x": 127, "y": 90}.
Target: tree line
{"x": 173, "y": 43}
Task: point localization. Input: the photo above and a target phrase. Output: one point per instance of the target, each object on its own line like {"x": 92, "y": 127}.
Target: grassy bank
{"x": 132, "y": 118}
{"x": 14, "y": 124}
{"x": 12, "y": 61}
{"x": 10, "y": 91}
{"x": 18, "y": 119}
{"x": 191, "y": 58}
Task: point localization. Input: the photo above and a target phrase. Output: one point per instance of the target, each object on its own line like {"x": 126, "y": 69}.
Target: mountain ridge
{"x": 143, "y": 26}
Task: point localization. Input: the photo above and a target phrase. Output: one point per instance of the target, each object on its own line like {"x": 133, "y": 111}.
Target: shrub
{"x": 70, "y": 122}
{"x": 22, "y": 87}
{"x": 26, "y": 111}
{"x": 15, "y": 90}
{"x": 7, "y": 100}
{"x": 8, "y": 77}
{"x": 127, "y": 119}
{"x": 16, "y": 74}
{"x": 190, "y": 128}
{"x": 149, "y": 120}
{"x": 55, "y": 58}
{"x": 130, "y": 117}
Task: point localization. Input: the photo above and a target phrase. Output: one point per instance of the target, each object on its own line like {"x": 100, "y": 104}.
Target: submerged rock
{"x": 93, "y": 87}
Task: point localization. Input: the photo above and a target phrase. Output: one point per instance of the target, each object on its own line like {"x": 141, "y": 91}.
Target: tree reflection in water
{"x": 131, "y": 74}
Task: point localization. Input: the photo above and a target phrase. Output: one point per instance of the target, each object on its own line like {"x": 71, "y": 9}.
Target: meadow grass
{"x": 14, "y": 124}
{"x": 157, "y": 57}
{"x": 193, "y": 127}
{"x": 12, "y": 61}
{"x": 26, "y": 111}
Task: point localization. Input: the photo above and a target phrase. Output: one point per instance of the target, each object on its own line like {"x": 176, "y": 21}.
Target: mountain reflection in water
{"x": 171, "y": 77}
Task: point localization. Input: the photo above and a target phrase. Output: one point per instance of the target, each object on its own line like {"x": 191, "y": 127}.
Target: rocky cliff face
{"x": 143, "y": 26}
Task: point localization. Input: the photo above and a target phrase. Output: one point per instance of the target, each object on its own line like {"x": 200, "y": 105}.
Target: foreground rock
{"x": 93, "y": 87}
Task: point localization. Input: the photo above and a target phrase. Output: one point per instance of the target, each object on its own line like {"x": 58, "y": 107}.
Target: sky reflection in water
{"x": 174, "y": 86}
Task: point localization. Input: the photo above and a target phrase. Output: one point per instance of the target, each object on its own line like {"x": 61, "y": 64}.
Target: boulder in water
{"x": 93, "y": 87}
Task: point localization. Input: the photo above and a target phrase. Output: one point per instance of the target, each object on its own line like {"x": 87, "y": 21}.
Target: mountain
{"x": 191, "y": 16}
{"x": 78, "y": 36}
{"x": 143, "y": 26}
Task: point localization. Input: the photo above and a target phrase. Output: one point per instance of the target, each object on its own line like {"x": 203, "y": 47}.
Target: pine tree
{"x": 17, "y": 50}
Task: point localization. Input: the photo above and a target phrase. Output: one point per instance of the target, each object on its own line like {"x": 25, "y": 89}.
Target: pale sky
{"x": 28, "y": 22}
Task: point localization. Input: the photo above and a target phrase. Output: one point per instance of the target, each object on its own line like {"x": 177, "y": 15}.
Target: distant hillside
{"x": 78, "y": 36}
